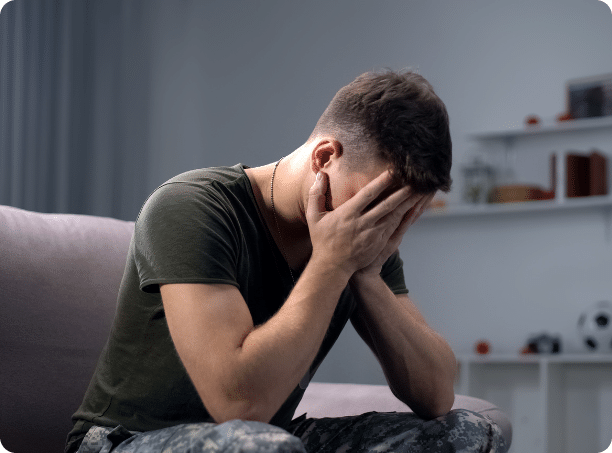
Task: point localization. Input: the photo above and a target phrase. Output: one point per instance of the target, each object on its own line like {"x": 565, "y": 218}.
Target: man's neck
{"x": 288, "y": 202}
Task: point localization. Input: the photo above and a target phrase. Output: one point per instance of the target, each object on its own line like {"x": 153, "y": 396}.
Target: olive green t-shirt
{"x": 203, "y": 226}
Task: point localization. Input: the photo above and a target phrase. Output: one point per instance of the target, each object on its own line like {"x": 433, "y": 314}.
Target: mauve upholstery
{"x": 59, "y": 277}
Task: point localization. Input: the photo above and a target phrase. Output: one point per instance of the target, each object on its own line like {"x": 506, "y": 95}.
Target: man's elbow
{"x": 441, "y": 405}
{"x": 239, "y": 411}
{"x": 435, "y": 407}
{"x": 441, "y": 396}
{"x": 436, "y": 403}
{"x": 246, "y": 415}
{"x": 246, "y": 408}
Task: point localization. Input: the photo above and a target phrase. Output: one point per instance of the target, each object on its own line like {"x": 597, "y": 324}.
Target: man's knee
{"x": 468, "y": 429}
{"x": 249, "y": 436}
{"x": 230, "y": 437}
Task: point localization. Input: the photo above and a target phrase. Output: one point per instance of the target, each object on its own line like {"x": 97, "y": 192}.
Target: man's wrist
{"x": 330, "y": 267}
{"x": 361, "y": 278}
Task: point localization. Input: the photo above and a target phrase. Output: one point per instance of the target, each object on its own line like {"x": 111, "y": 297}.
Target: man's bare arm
{"x": 418, "y": 363}
{"x": 241, "y": 370}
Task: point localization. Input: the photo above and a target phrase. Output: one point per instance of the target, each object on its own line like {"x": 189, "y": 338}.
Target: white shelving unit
{"x": 552, "y": 400}
{"x": 558, "y": 403}
{"x": 509, "y": 138}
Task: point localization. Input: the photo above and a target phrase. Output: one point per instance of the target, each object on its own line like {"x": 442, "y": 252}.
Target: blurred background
{"x": 103, "y": 101}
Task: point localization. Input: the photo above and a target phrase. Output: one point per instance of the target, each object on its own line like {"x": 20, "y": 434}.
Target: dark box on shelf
{"x": 586, "y": 175}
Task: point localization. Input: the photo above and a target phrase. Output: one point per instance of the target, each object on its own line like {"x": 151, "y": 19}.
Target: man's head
{"x": 396, "y": 118}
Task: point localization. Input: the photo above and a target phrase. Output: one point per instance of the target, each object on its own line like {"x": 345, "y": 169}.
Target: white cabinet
{"x": 558, "y": 403}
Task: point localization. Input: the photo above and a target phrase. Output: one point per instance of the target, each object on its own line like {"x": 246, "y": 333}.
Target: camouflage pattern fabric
{"x": 459, "y": 431}
{"x": 230, "y": 437}
{"x": 402, "y": 432}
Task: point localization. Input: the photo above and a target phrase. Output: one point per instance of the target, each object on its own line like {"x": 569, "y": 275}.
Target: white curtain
{"x": 74, "y": 105}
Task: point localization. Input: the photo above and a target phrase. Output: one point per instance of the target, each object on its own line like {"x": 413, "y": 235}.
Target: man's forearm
{"x": 275, "y": 355}
{"x": 418, "y": 363}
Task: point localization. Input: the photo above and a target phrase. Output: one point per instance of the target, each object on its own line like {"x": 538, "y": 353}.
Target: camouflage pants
{"x": 458, "y": 431}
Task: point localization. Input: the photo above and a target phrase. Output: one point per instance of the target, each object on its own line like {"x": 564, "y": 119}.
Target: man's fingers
{"x": 316, "y": 201}
{"x": 412, "y": 215}
{"x": 398, "y": 203}
{"x": 370, "y": 192}
{"x": 418, "y": 210}
{"x": 407, "y": 219}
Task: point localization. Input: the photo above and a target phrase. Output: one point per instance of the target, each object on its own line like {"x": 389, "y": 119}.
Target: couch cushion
{"x": 59, "y": 278}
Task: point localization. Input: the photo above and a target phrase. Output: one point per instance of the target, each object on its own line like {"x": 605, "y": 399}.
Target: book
{"x": 586, "y": 175}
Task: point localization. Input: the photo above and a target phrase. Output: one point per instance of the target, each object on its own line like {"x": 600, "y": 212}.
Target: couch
{"x": 59, "y": 276}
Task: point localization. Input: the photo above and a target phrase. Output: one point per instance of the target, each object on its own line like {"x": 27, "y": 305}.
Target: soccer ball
{"x": 595, "y": 327}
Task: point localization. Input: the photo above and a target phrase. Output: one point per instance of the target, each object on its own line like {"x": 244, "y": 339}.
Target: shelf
{"x": 508, "y": 137}
{"x": 603, "y": 201}
{"x": 557, "y": 403}
{"x": 543, "y": 129}
{"x": 575, "y": 358}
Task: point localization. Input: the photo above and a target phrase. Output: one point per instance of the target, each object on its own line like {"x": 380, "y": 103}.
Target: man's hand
{"x": 375, "y": 267}
{"x": 353, "y": 236}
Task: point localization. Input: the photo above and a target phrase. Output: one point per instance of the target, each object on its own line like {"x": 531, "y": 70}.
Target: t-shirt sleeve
{"x": 393, "y": 274}
{"x": 184, "y": 234}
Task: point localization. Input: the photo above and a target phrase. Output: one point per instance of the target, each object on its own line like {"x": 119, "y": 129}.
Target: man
{"x": 239, "y": 280}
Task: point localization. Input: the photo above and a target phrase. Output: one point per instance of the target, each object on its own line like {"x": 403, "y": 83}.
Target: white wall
{"x": 246, "y": 81}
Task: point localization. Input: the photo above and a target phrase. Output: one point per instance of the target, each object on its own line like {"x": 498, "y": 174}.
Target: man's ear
{"x": 325, "y": 150}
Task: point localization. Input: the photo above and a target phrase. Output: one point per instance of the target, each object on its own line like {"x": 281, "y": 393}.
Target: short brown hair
{"x": 400, "y": 115}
